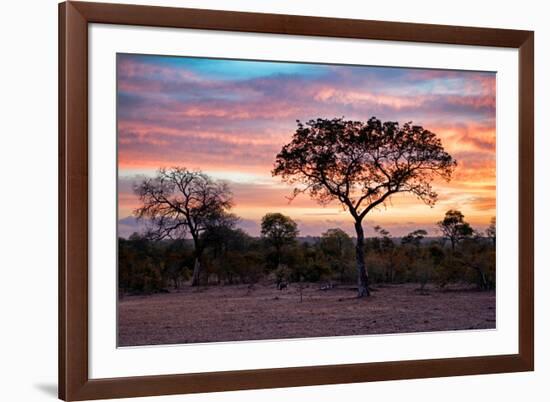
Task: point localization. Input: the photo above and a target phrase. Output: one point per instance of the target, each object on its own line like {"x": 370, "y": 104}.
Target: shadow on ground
{"x": 48, "y": 389}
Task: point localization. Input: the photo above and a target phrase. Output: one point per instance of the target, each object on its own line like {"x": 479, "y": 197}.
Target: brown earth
{"x": 236, "y": 313}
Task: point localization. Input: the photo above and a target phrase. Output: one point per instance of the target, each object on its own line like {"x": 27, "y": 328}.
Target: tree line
{"x": 280, "y": 257}
{"x": 360, "y": 165}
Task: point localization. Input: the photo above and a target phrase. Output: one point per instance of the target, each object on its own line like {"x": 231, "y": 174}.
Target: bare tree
{"x": 178, "y": 202}
{"x": 454, "y": 227}
{"x": 361, "y": 165}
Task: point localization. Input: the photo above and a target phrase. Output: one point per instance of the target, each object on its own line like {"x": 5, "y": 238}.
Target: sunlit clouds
{"x": 230, "y": 118}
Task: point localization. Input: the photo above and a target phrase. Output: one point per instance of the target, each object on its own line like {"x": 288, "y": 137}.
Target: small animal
{"x": 282, "y": 285}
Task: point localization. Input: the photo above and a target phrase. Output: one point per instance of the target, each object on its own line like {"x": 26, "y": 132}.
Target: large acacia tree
{"x": 177, "y": 202}
{"x": 361, "y": 165}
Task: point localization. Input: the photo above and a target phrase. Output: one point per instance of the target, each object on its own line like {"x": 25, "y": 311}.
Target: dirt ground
{"x": 236, "y": 313}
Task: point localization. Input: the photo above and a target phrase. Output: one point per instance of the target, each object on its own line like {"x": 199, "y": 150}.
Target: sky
{"x": 229, "y": 118}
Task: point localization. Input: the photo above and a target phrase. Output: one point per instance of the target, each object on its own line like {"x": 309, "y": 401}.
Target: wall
{"x": 28, "y": 158}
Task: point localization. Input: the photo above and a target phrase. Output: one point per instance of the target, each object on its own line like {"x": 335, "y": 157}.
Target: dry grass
{"x": 236, "y": 313}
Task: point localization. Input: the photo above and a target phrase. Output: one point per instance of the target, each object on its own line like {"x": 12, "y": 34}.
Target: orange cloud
{"x": 177, "y": 114}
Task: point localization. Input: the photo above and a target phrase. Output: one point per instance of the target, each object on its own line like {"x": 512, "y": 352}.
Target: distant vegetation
{"x": 233, "y": 257}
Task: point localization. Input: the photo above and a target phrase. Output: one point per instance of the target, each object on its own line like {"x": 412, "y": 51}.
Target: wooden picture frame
{"x": 74, "y": 381}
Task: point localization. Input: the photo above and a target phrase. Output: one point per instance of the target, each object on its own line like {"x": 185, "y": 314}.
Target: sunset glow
{"x": 230, "y": 118}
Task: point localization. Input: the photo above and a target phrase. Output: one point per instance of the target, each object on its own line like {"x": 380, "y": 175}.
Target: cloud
{"x": 233, "y": 116}
{"x": 129, "y": 225}
{"x": 165, "y": 106}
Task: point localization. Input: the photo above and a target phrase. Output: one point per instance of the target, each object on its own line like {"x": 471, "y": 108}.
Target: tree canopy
{"x": 361, "y": 165}
{"x": 279, "y": 230}
{"x": 414, "y": 238}
{"x": 454, "y": 227}
{"x": 336, "y": 242}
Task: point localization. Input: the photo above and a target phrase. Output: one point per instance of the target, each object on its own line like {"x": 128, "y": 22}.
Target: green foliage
{"x": 147, "y": 267}
{"x": 311, "y": 267}
{"x": 278, "y": 231}
{"x": 232, "y": 257}
{"x": 339, "y": 252}
{"x": 454, "y": 228}
{"x": 282, "y": 274}
{"x": 472, "y": 256}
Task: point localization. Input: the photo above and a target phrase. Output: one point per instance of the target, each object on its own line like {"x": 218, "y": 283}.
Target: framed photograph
{"x": 260, "y": 200}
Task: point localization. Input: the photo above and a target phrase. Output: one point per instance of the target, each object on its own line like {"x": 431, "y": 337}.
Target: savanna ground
{"x": 241, "y": 312}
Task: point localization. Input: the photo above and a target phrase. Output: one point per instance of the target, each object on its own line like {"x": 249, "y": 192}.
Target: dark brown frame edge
{"x": 74, "y": 18}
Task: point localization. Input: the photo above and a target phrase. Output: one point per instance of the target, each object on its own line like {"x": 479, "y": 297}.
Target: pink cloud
{"x": 173, "y": 116}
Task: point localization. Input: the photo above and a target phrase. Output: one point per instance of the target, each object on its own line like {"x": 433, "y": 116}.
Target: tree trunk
{"x": 195, "y": 280}
{"x": 482, "y": 279}
{"x": 362, "y": 275}
{"x": 278, "y": 252}
{"x": 341, "y": 255}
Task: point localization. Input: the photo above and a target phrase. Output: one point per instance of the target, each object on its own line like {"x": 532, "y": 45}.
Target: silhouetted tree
{"x": 278, "y": 230}
{"x": 178, "y": 201}
{"x": 492, "y": 230}
{"x": 361, "y": 165}
{"x": 414, "y": 238}
{"x": 454, "y": 228}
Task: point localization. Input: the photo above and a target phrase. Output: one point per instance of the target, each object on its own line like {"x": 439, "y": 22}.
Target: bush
{"x": 146, "y": 266}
